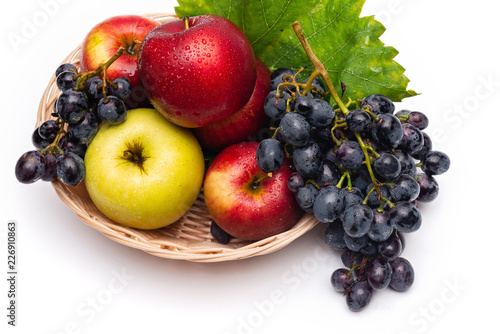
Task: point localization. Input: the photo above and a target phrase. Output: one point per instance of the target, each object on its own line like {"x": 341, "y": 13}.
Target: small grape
{"x": 388, "y": 130}
{"x": 352, "y": 196}
{"x": 71, "y": 106}
{"x": 379, "y": 273}
{"x": 321, "y": 114}
{"x": 412, "y": 140}
{"x": 403, "y": 275}
{"x": 424, "y": 149}
{"x": 302, "y": 105}
{"x": 295, "y": 182}
{"x": 275, "y": 107}
{"x": 121, "y": 88}
{"x": 295, "y": 129}
{"x": 359, "y": 296}
{"x": 405, "y": 188}
{"x": 341, "y": 279}
{"x": 306, "y": 196}
{"x": 30, "y": 167}
{"x": 380, "y": 229}
{"x": 66, "y": 80}
{"x": 84, "y": 130}
{"x": 67, "y": 145}
{"x": 329, "y": 204}
{"x": 357, "y": 220}
{"x": 350, "y": 155}
{"x": 418, "y": 119}
{"x": 50, "y": 173}
{"x": 307, "y": 160}
{"x": 405, "y": 217}
{"x": 435, "y": 163}
{"x": 387, "y": 165}
{"x": 356, "y": 244}
{"x": 378, "y": 104}
{"x": 93, "y": 89}
{"x": 112, "y": 110}
{"x": 429, "y": 188}
{"x": 270, "y": 155}
{"x": 329, "y": 174}
{"x": 407, "y": 163}
{"x": 219, "y": 234}
{"x": 39, "y": 142}
{"x": 391, "y": 248}
{"x": 358, "y": 120}
{"x": 70, "y": 169}
{"x": 334, "y": 235}
{"x": 48, "y": 129}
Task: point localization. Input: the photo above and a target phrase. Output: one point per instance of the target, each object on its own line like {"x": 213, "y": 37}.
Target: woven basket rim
{"x": 187, "y": 239}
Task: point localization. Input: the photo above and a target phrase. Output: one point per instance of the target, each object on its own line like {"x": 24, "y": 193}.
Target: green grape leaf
{"x": 348, "y": 45}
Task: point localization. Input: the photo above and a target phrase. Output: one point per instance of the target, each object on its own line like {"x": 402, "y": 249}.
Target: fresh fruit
{"x": 104, "y": 39}
{"x": 145, "y": 172}
{"x": 245, "y": 124}
{"x": 246, "y": 202}
{"x": 197, "y": 70}
{"x": 355, "y": 168}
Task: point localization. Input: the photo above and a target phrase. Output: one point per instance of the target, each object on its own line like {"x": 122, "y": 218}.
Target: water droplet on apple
{"x": 200, "y": 60}
{"x": 208, "y": 55}
{"x": 204, "y": 41}
{"x": 187, "y": 47}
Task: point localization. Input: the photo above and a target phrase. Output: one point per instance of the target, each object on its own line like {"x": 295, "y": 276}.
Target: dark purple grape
{"x": 295, "y": 182}
{"x": 405, "y": 188}
{"x": 350, "y": 258}
{"x": 84, "y": 130}
{"x": 435, "y": 163}
{"x": 112, "y": 110}
{"x": 121, "y": 88}
{"x": 295, "y": 129}
{"x": 358, "y": 120}
{"x": 275, "y": 107}
{"x": 50, "y": 173}
{"x": 418, "y": 119}
{"x": 387, "y": 166}
{"x": 308, "y": 160}
{"x": 387, "y": 131}
{"x": 329, "y": 204}
{"x": 412, "y": 140}
{"x": 48, "y": 129}
{"x": 30, "y": 167}
{"x": 379, "y": 273}
{"x": 334, "y": 235}
{"x": 219, "y": 234}
{"x": 350, "y": 155}
{"x": 93, "y": 89}
{"x": 357, "y": 220}
{"x": 71, "y": 106}
{"x": 403, "y": 275}
{"x": 356, "y": 244}
{"x": 381, "y": 229}
{"x": 405, "y": 217}
{"x": 352, "y": 196}
{"x": 70, "y": 169}
{"x": 341, "y": 279}
{"x": 321, "y": 114}
{"x": 359, "y": 296}
{"x": 407, "y": 163}
{"x": 39, "y": 142}
{"x": 302, "y": 105}
{"x": 69, "y": 146}
{"x": 429, "y": 188}
{"x": 378, "y": 104}
{"x": 329, "y": 174}
{"x": 66, "y": 80}
{"x": 270, "y": 155}
{"x": 424, "y": 149}
{"x": 306, "y": 196}
{"x": 391, "y": 248}
{"x": 374, "y": 199}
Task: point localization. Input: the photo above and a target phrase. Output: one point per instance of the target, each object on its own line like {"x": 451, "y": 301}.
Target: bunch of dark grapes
{"x": 85, "y": 101}
{"x": 361, "y": 168}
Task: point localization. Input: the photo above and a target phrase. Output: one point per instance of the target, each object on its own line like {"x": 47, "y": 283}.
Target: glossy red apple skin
{"x": 241, "y": 208}
{"x": 104, "y": 39}
{"x": 245, "y": 124}
{"x": 198, "y": 75}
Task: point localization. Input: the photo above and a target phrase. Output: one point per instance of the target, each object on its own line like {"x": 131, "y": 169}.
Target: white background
{"x": 67, "y": 271}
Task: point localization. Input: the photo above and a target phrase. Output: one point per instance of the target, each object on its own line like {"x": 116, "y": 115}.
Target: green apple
{"x": 144, "y": 173}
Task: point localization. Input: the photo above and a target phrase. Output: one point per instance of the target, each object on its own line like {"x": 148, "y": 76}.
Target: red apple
{"x": 103, "y": 40}
{"x": 243, "y": 200}
{"x": 245, "y": 124}
{"x": 197, "y": 70}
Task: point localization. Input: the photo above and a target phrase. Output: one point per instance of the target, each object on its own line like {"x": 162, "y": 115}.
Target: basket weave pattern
{"x": 187, "y": 239}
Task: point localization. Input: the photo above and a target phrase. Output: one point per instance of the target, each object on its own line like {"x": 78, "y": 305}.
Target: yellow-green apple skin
{"x": 144, "y": 173}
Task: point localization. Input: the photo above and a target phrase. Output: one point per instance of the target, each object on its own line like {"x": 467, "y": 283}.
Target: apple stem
{"x": 186, "y": 21}
{"x": 130, "y": 155}
{"x": 257, "y": 182}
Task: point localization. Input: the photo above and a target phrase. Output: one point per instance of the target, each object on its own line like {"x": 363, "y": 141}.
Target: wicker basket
{"x": 187, "y": 239}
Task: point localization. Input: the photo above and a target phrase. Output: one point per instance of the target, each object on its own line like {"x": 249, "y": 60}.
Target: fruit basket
{"x": 187, "y": 239}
